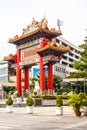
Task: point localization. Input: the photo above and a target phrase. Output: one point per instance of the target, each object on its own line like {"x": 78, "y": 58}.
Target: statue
{"x": 33, "y": 24}
{"x": 37, "y": 87}
{"x": 44, "y": 23}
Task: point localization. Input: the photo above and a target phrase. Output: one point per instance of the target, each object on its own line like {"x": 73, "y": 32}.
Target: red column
{"x": 50, "y": 79}
{"x": 42, "y": 75}
{"x": 18, "y": 74}
{"x": 26, "y": 77}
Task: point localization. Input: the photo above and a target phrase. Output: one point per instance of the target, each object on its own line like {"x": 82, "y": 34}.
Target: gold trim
{"x": 16, "y": 38}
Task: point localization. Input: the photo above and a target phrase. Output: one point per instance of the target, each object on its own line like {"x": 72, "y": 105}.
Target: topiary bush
{"x": 59, "y": 101}
{"x": 29, "y": 101}
{"x": 18, "y": 95}
{"x": 25, "y": 94}
{"x": 9, "y": 101}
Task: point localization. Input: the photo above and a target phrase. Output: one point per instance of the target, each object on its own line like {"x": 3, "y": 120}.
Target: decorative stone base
{"x": 48, "y": 102}
{"x": 37, "y": 101}
{"x": 44, "y": 101}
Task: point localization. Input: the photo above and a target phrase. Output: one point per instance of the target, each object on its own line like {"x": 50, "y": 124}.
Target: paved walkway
{"x": 43, "y": 118}
{"x": 42, "y": 110}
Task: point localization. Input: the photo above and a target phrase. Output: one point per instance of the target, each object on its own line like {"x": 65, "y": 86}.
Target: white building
{"x": 6, "y": 72}
{"x": 3, "y": 71}
{"x": 64, "y": 67}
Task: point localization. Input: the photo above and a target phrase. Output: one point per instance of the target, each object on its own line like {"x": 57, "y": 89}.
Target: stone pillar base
{"x": 42, "y": 92}
{"x": 50, "y": 91}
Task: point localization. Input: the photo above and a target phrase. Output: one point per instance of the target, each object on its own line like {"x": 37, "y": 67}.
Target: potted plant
{"x": 77, "y": 101}
{"x": 29, "y": 105}
{"x": 25, "y": 96}
{"x": 9, "y": 104}
{"x": 18, "y": 97}
{"x": 59, "y": 104}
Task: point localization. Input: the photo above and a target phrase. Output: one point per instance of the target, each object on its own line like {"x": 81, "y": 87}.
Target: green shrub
{"x": 48, "y": 96}
{"x": 9, "y": 101}
{"x": 7, "y": 89}
{"x": 25, "y": 94}
{"x": 35, "y": 93}
{"x": 36, "y": 96}
{"x": 64, "y": 91}
{"x": 29, "y": 101}
{"x": 77, "y": 101}
{"x": 59, "y": 101}
{"x": 18, "y": 95}
{"x": 65, "y": 96}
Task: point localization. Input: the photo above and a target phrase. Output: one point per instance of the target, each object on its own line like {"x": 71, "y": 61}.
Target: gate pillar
{"x": 26, "y": 78}
{"x": 18, "y": 74}
{"x": 42, "y": 75}
{"x": 50, "y": 79}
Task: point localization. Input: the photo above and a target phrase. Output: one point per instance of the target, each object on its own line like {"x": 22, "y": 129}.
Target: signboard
{"x": 29, "y": 56}
{"x": 49, "y": 102}
{"x": 60, "y": 70}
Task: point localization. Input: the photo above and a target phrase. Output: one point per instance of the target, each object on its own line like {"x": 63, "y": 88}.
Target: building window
{"x": 64, "y": 63}
{"x": 71, "y": 60}
{"x": 77, "y": 57}
{"x": 64, "y": 57}
{"x": 71, "y": 54}
{"x": 3, "y": 71}
{"x": 4, "y": 78}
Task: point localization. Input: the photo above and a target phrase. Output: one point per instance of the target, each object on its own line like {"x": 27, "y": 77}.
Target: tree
{"x": 81, "y": 65}
{"x": 78, "y": 74}
{"x": 56, "y": 82}
{"x": 8, "y": 89}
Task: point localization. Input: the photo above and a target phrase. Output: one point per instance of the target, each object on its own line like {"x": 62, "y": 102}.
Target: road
{"x": 43, "y": 118}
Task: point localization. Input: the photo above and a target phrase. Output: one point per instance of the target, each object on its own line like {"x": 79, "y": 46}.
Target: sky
{"x": 17, "y": 14}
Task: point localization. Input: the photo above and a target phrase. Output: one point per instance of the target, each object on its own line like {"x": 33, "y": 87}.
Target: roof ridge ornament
{"x": 34, "y": 27}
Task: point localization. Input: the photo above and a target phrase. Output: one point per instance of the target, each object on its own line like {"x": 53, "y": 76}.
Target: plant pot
{"x": 24, "y": 99}
{"x": 29, "y": 109}
{"x": 77, "y": 112}
{"x": 18, "y": 100}
{"x": 59, "y": 110}
{"x": 9, "y": 108}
